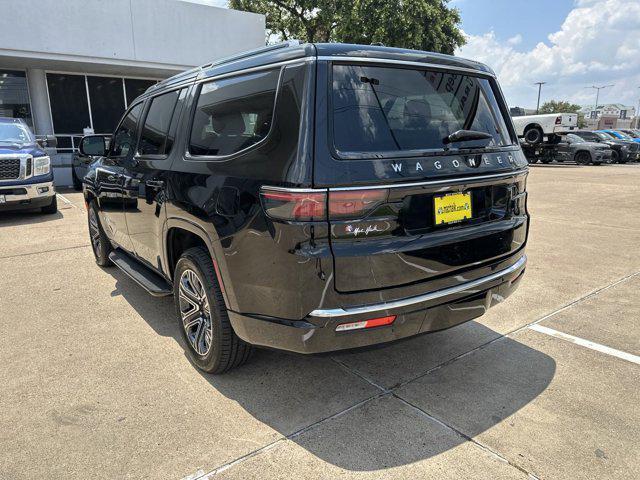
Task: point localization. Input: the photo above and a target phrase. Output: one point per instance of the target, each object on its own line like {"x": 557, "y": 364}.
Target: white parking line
{"x": 586, "y": 343}
{"x": 65, "y": 200}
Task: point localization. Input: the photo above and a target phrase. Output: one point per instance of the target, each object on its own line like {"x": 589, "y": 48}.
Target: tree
{"x": 558, "y": 106}
{"x": 418, "y": 24}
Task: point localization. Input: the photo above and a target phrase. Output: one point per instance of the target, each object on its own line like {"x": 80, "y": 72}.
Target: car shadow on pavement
{"x": 26, "y": 217}
{"x": 290, "y": 392}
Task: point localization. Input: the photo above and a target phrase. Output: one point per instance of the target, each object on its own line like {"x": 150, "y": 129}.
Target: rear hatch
{"x": 425, "y": 179}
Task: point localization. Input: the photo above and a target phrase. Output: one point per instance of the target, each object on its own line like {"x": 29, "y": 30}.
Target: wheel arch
{"x": 532, "y": 125}
{"x": 180, "y": 235}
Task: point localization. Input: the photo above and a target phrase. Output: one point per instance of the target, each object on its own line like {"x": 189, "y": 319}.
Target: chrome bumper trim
{"x": 407, "y": 302}
{"x": 32, "y": 192}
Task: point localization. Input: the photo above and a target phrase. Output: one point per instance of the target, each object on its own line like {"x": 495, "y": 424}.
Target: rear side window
{"x": 233, "y": 114}
{"x": 382, "y": 109}
{"x": 125, "y": 137}
{"x": 156, "y": 137}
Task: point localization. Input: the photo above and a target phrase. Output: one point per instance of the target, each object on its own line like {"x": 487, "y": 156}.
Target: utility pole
{"x": 539, "y": 90}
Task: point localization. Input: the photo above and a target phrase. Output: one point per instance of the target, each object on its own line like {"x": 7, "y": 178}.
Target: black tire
{"x": 583, "y": 158}
{"x": 100, "y": 243}
{"x": 77, "y": 184}
{"x": 609, "y": 160}
{"x": 615, "y": 156}
{"x": 200, "y": 310}
{"x": 546, "y": 161}
{"x": 534, "y": 135}
{"x": 52, "y": 207}
{"x": 597, "y": 163}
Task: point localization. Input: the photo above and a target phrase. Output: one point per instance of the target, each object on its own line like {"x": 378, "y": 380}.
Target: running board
{"x": 142, "y": 275}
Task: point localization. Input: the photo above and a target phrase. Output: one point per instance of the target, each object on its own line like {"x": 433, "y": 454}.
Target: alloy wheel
{"x": 195, "y": 312}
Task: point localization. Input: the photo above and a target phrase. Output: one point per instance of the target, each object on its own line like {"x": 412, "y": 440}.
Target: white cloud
{"x": 515, "y": 40}
{"x": 598, "y": 43}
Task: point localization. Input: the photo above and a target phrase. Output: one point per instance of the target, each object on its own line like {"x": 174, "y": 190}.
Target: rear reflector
{"x": 558, "y": 120}
{"x": 374, "y": 322}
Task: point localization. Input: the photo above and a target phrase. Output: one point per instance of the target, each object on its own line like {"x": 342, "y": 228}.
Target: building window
{"x": 69, "y": 105}
{"x": 14, "y": 96}
{"x": 107, "y": 102}
{"x": 72, "y": 110}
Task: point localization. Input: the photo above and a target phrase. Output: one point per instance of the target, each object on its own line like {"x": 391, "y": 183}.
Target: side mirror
{"x": 93, "y": 146}
{"x": 50, "y": 141}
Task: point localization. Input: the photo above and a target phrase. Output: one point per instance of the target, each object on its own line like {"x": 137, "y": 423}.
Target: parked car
{"x": 631, "y": 132}
{"x": 622, "y": 151}
{"x": 533, "y": 128}
{"x": 26, "y": 180}
{"x": 314, "y": 198}
{"x": 574, "y": 148}
{"x": 621, "y": 135}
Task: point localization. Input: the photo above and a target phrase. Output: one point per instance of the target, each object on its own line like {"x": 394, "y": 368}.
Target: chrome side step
{"x": 142, "y": 275}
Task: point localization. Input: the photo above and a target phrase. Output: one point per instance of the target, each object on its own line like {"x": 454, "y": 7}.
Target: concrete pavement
{"x": 95, "y": 382}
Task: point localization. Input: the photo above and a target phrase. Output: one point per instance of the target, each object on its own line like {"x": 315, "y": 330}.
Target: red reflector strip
{"x": 374, "y": 322}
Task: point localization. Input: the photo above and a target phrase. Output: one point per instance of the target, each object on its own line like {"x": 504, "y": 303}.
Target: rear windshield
{"x": 383, "y": 109}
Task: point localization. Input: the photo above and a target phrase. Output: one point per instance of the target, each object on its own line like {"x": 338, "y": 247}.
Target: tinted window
{"x": 377, "y": 109}
{"x": 125, "y": 137}
{"x": 233, "y": 114}
{"x": 154, "y": 137}
{"x": 69, "y": 106}
{"x": 107, "y": 102}
{"x": 134, "y": 88}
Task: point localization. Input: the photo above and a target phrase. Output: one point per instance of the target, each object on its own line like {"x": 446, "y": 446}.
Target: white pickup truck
{"x": 533, "y": 128}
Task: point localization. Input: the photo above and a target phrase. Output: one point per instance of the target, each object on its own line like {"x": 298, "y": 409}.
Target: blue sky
{"x": 512, "y": 19}
{"x": 570, "y": 44}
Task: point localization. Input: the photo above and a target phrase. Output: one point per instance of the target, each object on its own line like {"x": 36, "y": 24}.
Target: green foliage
{"x": 418, "y": 24}
{"x": 558, "y": 106}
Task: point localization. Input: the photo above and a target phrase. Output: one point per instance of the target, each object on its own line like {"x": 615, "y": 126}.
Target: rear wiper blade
{"x": 466, "y": 135}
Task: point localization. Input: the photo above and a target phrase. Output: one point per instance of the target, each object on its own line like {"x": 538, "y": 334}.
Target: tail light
{"x": 559, "y": 120}
{"x": 312, "y": 205}
{"x": 292, "y": 205}
{"x": 355, "y": 203}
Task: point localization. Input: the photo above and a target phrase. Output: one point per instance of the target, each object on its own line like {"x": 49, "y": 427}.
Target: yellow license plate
{"x": 452, "y": 208}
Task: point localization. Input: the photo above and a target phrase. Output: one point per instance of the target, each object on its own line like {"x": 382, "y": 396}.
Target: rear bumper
{"x": 18, "y": 197}
{"x": 415, "y": 315}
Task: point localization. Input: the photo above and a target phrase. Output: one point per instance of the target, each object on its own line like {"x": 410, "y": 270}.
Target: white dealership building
{"x": 70, "y": 66}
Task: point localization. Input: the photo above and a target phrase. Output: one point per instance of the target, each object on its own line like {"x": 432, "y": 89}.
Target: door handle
{"x": 154, "y": 183}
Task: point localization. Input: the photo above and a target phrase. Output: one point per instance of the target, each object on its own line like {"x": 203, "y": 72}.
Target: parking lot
{"x": 95, "y": 383}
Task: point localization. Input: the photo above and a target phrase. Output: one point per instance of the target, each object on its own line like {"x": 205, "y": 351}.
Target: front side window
{"x": 125, "y": 137}
{"x": 233, "y": 114}
{"x": 155, "y": 138}
{"x": 383, "y": 109}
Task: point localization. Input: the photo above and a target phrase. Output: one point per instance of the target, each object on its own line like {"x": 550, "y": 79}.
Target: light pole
{"x": 539, "y": 90}
{"x": 598, "y": 92}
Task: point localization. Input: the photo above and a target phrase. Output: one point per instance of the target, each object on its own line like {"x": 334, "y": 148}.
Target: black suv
{"x": 314, "y": 198}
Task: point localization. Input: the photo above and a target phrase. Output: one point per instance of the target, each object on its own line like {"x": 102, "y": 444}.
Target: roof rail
{"x": 251, "y": 53}
{"x": 232, "y": 58}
